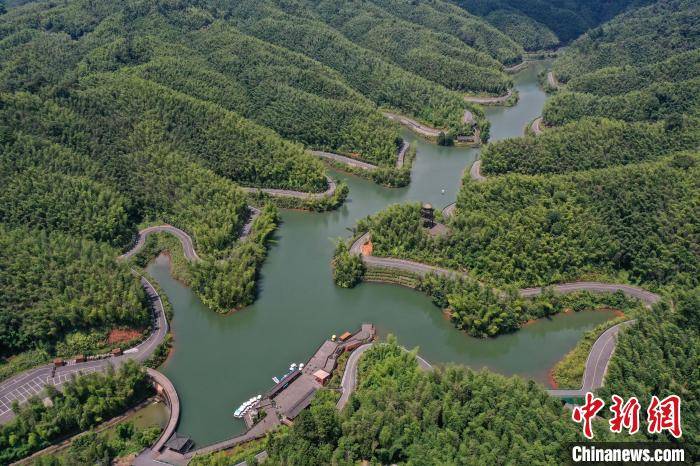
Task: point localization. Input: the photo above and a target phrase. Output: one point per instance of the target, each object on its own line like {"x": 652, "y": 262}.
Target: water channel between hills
{"x": 220, "y": 361}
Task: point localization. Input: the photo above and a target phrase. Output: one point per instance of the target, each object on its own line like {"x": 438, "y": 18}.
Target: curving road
{"x": 552, "y": 80}
{"x": 596, "y": 363}
{"x": 593, "y": 375}
{"x": 355, "y": 163}
{"x": 349, "y": 381}
{"x": 536, "y": 126}
{"x": 31, "y": 383}
{"x": 185, "y": 239}
{"x": 173, "y": 400}
{"x": 489, "y": 100}
{"x": 475, "y": 171}
{"x": 420, "y": 269}
{"x": 449, "y": 209}
{"x": 299, "y": 194}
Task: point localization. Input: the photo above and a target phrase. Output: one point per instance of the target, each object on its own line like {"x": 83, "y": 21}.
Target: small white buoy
{"x": 443, "y": 191}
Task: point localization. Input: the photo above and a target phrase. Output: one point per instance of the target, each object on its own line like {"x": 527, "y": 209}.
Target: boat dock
{"x": 291, "y": 399}
{"x": 286, "y": 399}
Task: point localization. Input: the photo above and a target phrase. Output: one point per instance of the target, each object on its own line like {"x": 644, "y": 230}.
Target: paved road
{"x": 593, "y": 376}
{"x": 30, "y": 383}
{"x": 419, "y": 128}
{"x": 449, "y": 209}
{"x": 349, "y": 382}
{"x": 552, "y": 80}
{"x": 420, "y": 269}
{"x": 489, "y": 100}
{"x": 300, "y": 194}
{"x": 185, "y": 239}
{"x": 646, "y": 297}
{"x": 515, "y": 68}
{"x": 536, "y": 126}
{"x": 345, "y": 160}
{"x": 254, "y": 213}
{"x": 352, "y": 162}
{"x": 174, "y": 404}
{"x": 475, "y": 171}
{"x": 596, "y": 363}
{"x": 400, "y": 159}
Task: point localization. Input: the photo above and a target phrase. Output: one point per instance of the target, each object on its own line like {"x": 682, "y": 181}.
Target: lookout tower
{"x": 427, "y": 214}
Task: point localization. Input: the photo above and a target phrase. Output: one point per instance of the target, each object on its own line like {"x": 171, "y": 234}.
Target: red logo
{"x": 587, "y": 412}
{"x": 662, "y": 415}
{"x": 624, "y": 415}
{"x": 665, "y": 415}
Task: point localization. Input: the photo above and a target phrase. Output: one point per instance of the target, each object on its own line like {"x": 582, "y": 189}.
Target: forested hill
{"x": 632, "y": 94}
{"x": 644, "y": 36}
{"x": 312, "y": 72}
{"x": 542, "y": 24}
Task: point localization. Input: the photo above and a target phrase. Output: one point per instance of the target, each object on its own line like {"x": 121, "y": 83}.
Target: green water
{"x": 220, "y": 361}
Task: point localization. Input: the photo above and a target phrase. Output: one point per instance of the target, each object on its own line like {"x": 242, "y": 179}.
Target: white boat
{"x": 242, "y": 409}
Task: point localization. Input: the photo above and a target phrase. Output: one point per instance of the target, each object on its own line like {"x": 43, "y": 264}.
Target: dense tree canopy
{"x": 566, "y": 19}
{"x": 53, "y": 283}
{"x": 636, "y": 222}
{"x": 644, "y": 36}
{"x": 586, "y": 144}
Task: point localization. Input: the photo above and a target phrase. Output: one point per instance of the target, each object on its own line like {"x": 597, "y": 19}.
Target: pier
{"x": 285, "y": 400}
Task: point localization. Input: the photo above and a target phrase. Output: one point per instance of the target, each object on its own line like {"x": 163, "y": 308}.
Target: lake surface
{"x": 220, "y": 361}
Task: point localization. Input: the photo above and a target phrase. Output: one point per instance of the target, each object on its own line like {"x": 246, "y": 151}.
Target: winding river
{"x": 220, "y": 361}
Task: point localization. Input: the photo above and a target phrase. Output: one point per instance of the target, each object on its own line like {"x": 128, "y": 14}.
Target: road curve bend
{"x": 536, "y": 126}
{"x": 489, "y": 100}
{"x": 596, "y": 363}
{"x": 449, "y": 209}
{"x": 417, "y": 268}
{"x": 185, "y": 239}
{"x": 167, "y": 389}
{"x": 593, "y": 375}
{"x": 349, "y": 381}
{"x": 475, "y": 171}
{"x": 298, "y": 194}
{"x": 31, "y": 382}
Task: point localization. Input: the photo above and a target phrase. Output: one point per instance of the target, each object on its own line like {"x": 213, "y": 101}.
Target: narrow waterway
{"x": 220, "y": 361}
